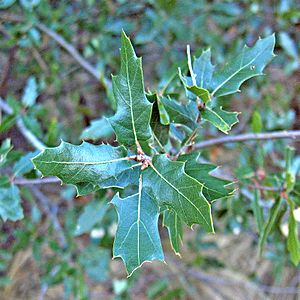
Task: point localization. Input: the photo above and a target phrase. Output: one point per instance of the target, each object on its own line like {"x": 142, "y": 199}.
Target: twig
{"x": 30, "y": 137}
{"x": 264, "y": 188}
{"x": 292, "y": 134}
{"x": 71, "y": 50}
{"x": 25, "y": 181}
{"x": 65, "y": 45}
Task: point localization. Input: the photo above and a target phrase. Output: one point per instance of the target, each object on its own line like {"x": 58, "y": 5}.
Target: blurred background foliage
{"x": 45, "y": 256}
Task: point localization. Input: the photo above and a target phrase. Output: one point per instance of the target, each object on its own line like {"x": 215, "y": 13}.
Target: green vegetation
{"x": 97, "y": 166}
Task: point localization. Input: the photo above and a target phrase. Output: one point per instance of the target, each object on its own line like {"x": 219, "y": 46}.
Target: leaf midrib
{"x": 170, "y": 184}
{"x": 130, "y": 97}
{"x": 82, "y": 162}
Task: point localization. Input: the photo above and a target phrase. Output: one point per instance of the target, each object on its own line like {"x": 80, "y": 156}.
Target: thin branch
{"x": 25, "y": 181}
{"x": 76, "y": 55}
{"x": 265, "y": 188}
{"x": 71, "y": 50}
{"x": 292, "y": 134}
{"x": 29, "y": 136}
{"x": 65, "y": 45}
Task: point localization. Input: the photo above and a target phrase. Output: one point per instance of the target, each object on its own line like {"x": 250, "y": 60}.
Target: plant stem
{"x": 24, "y": 181}
{"x": 70, "y": 49}
{"x": 292, "y": 134}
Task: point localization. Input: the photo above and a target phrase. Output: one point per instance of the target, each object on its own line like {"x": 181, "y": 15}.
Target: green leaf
{"x": 137, "y": 238}
{"x": 82, "y": 165}
{"x": 7, "y": 122}
{"x": 258, "y": 212}
{"x": 197, "y": 91}
{"x": 10, "y": 207}
{"x": 156, "y": 288}
{"x": 95, "y": 262}
{"x": 176, "y": 190}
{"x": 220, "y": 118}
{"x": 201, "y": 74}
{"x": 93, "y": 213}
{"x": 273, "y": 214}
{"x": 124, "y": 179}
{"x": 131, "y": 122}
{"x": 174, "y": 225}
{"x": 213, "y": 187}
{"x": 6, "y": 3}
{"x": 5, "y": 148}
{"x": 203, "y": 94}
{"x": 290, "y": 177}
{"x": 30, "y": 93}
{"x": 160, "y": 131}
{"x": 98, "y": 129}
{"x": 293, "y": 244}
{"x": 203, "y": 69}
{"x": 180, "y": 113}
{"x": 249, "y": 63}
{"x": 24, "y": 164}
{"x": 256, "y": 122}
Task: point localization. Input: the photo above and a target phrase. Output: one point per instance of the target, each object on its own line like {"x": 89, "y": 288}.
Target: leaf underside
{"x": 10, "y": 206}
{"x": 137, "y": 239}
{"x": 175, "y": 229}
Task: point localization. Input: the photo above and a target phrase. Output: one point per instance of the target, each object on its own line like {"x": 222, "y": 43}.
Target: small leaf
{"x": 10, "y": 207}
{"x": 290, "y": 178}
{"x": 93, "y": 214}
{"x": 83, "y": 164}
{"x": 203, "y": 69}
{"x": 288, "y": 44}
{"x": 131, "y": 122}
{"x": 174, "y": 225}
{"x": 220, "y": 118}
{"x": 6, "y": 3}
{"x": 201, "y": 74}
{"x": 203, "y": 94}
{"x": 293, "y": 244}
{"x": 95, "y": 262}
{"x": 160, "y": 131}
{"x": 256, "y": 122}
{"x": 7, "y": 122}
{"x": 258, "y": 212}
{"x": 273, "y": 214}
{"x": 213, "y": 187}
{"x": 137, "y": 238}
{"x": 180, "y": 113}
{"x": 98, "y": 129}
{"x": 249, "y": 63}
{"x": 173, "y": 188}
{"x": 5, "y": 148}
{"x": 196, "y": 91}
{"x": 29, "y": 4}
{"x": 30, "y": 93}
{"x": 24, "y": 164}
